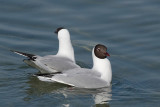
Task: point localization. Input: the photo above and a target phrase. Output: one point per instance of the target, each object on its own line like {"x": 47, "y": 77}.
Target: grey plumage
{"x": 49, "y": 63}
{"x": 78, "y": 77}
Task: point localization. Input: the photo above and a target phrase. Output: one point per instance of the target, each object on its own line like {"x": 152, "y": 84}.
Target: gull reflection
{"x": 103, "y": 97}
{"x": 63, "y": 93}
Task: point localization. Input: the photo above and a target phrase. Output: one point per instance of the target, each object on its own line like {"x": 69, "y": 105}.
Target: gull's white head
{"x": 65, "y": 45}
{"x": 63, "y": 34}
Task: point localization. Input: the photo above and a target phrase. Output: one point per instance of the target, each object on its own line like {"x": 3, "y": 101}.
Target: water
{"x": 130, "y": 30}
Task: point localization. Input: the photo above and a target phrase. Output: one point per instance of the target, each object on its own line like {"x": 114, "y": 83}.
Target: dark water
{"x": 129, "y": 28}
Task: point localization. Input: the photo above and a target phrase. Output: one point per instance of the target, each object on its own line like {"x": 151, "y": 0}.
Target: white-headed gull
{"x": 63, "y": 60}
{"x": 97, "y": 77}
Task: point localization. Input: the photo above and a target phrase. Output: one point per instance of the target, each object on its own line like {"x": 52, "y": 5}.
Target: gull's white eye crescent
{"x": 98, "y": 49}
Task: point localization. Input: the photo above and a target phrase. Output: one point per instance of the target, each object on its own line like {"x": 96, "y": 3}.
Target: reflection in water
{"x": 102, "y": 105}
{"x": 100, "y": 97}
{"x": 39, "y": 88}
{"x": 103, "y": 96}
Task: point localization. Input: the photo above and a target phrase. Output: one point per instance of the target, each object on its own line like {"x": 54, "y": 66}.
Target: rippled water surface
{"x": 129, "y": 28}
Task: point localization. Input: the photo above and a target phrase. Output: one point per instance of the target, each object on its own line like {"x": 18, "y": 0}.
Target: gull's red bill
{"x": 107, "y": 54}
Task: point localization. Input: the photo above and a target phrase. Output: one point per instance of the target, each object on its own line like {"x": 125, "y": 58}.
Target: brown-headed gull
{"x": 97, "y": 77}
{"x": 63, "y": 60}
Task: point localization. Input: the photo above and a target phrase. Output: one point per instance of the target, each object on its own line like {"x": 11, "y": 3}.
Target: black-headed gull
{"x": 63, "y": 60}
{"x": 97, "y": 77}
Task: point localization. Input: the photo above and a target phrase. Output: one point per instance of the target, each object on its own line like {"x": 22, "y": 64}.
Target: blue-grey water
{"x": 129, "y": 28}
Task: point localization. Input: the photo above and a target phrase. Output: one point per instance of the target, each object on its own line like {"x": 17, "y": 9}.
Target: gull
{"x": 98, "y": 77}
{"x": 63, "y": 60}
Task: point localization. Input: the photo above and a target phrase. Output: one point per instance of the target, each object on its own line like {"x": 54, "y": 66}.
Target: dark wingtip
{"x": 30, "y": 56}
{"x": 58, "y": 29}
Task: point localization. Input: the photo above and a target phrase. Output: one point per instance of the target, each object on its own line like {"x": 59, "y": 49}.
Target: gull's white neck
{"x": 65, "y": 45}
{"x": 102, "y": 66}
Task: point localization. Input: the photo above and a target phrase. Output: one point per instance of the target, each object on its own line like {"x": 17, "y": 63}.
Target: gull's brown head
{"x": 100, "y": 51}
